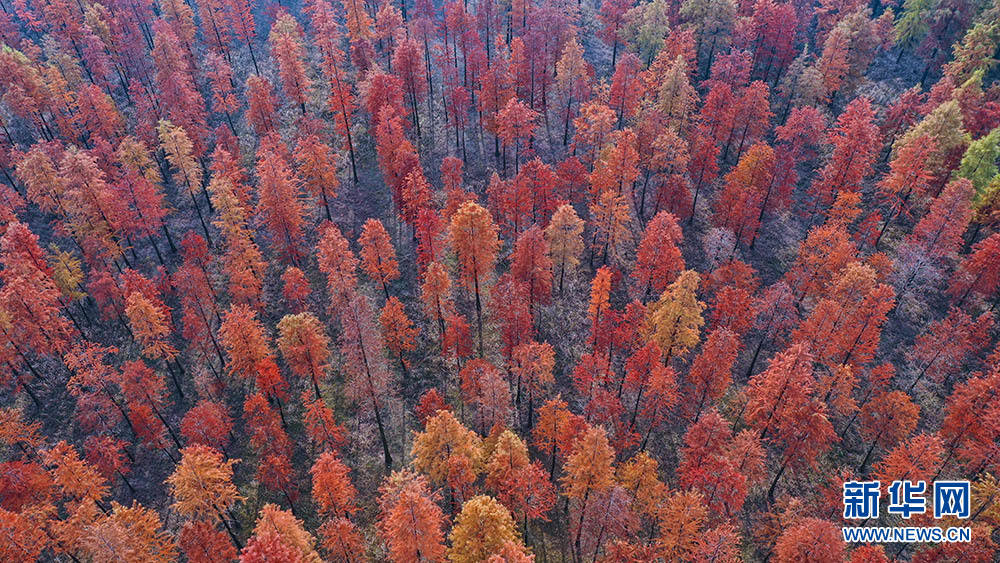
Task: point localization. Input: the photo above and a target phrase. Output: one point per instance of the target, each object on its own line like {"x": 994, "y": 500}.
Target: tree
{"x": 201, "y": 542}
{"x": 305, "y": 346}
{"x": 148, "y": 321}
{"x": 908, "y": 177}
{"x": 202, "y": 486}
{"x": 415, "y": 195}
{"x": 610, "y": 215}
{"x": 398, "y": 331}
{"x": 675, "y": 97}
{"x": 295, "y": 289}
{"x": 616, "y": 168}
{"x": 279, "y": 204}
{"x": 288, "y": 51}
{"x": 610, "y": 517}
{"x": 378, "y": 257}
{"x": 220, "y": 75}
{"x": 98, "y": 406}
{"x": 279, "y": 535}
{"x": 448, "y": 453}
{"x": 332, "y": 489}
{"x": 321, "y": 427}
{"x": 519, "y": 483}
{"x": 747, "y": 194}
{"x": 846, "y": 324}
{"x": 782, "y": 403}
{"x": 681, "y": 520}
{"x": 429, "y": 404}
{"x": 530, "y": 263}
{"x": 29, "y": 298}
{"x": 207, "y": 423}
{"x": 939, "y": 233}
{"x": 242, "y": 261}
{"x": 261, "y": 102}
{"x": 532, "y": 365}
{"x": 588, "y": 470}
{"x": 658, "y": 259}
{"x": 76, "y": 481}
{"x": 435, "y": 292}
{"x": 410, "y": 66}
{"x": 600, "y": 307}
{"x": 612, "y": 15}
{"x": 973, "y": 53}
{"x": 318, "y": 168}
{"x": 409, "y": 519}
{"x": 890, "y": 418}
{"x": 271, "y": 444}
{"x": 675, "y": 321}
{"x": 244, "y": 340}
{"x": 180, "y": 151}
{"x": 711, "y": 370}
{"x": 810, "y": 539}
{"x": 978, "y": 164}
{"x": 915, "y": 459}
{"x": 855, "y": 146}
{"x": 484, "y": 386}
{"x": 516, "y": 123}
{"x": 341, "y": 539}
{"x": 369, "y": 381}
{"x": 944, "y": 125}
{"x": 327, "y": 36}
{"x": 482, "y": 528}
{"x": 823, "y": 253}
{"x": 595, "y": 123}
{"x": 337, "y": 261}
{"x": 474, "y": 238}
{"x": 131, "y": 533}
{"x": 733, "y": 285}
{"x": 572, "y": 77}
{"x": 947, "y": 344}
{"x": 564, "y": 235}
{"x": 706, "y": 468}
{"x": 964, "y": 438}
{"x": 978, "y": 272}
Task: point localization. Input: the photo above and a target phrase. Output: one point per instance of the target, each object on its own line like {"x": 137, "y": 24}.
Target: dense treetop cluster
{"x": 512, "y": 281}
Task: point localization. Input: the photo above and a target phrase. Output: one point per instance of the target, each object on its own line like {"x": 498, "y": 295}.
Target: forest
{"x": 584, "y": 281}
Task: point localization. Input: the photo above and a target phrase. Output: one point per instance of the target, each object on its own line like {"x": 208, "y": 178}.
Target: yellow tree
{"x": 241, "y": 261}
{"x": 448, "y": 452}
{"x": 187, "y": 172}
{"x": 565, "y": 237}
{"x": 202, "y": 486}
{"x": 149, "y": 325}
{"x": 610, "y": 215}
{"x": 676, "y": 98}
{"x": 305, "y": 346}
{"x": 639, "y": 476}
{"x": 675, "y": 320}
{"x": 482, "y": 528}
